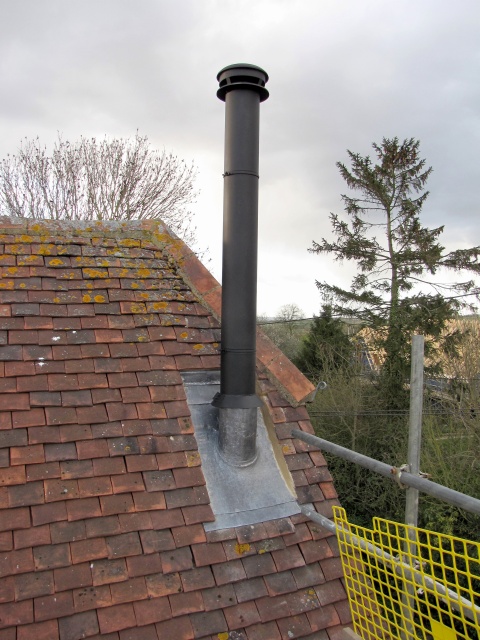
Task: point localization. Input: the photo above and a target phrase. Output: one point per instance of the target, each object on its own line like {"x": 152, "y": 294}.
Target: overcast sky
{"x": 343, "y": 74}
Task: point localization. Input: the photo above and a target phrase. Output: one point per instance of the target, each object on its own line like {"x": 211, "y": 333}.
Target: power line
{"x": 342, "y": 317}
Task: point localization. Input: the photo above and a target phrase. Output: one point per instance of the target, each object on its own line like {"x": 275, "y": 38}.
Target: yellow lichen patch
{"x": 137, "y": 308}
{"x": 134, "y": 285}
{"x": 129, "y": 242}
{"x": 56, "y": 300}
{"x": 12, "y": 270}
{"x": 7, "y": 284}
{"x": 157, "y": 306}
{"x": 89, "y": 285}
{"x": 103, "y": 263}
{"x": 86, "y": 298}
{"x": 144, "y": 273}
{"x": 26, "y": 239}
{"x": 240, "y": 549}
{"x": 198, "y": 347}
{"x": 215, "y": 345}
{"x": 45, "y": 249}
{"x": 223, "y": 635}
{"x": 55, "y": 262}
{"x": 142, "y": 339}
{"x": 95, "y": 273}
{"x": 99, "y": 299}
{"x": 184, "y": 335}
{"x": 193, "y": 458}
{"x": 288, "y": 449}
{"x": 162, "y": 237}
{"x": 143, "y": 296}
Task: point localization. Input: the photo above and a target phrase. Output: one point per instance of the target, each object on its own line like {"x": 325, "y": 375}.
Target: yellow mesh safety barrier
{"x": 409, "y": 583}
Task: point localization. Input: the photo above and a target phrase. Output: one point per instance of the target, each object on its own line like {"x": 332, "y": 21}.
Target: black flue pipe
{"x": 242, "y": 88}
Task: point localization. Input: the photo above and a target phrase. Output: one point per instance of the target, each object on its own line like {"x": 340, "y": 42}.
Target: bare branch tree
{"x": 107, "y": 179}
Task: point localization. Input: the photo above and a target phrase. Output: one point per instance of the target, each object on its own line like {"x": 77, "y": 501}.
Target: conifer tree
{"x": 326, "y": 348}
{"x": 395, "y": 290}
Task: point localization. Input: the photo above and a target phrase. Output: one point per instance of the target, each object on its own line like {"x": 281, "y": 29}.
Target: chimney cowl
{"x": 242, "y": 76}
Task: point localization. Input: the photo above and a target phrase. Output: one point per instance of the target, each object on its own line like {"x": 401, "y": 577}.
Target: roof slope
{"x": 102, "y": 495}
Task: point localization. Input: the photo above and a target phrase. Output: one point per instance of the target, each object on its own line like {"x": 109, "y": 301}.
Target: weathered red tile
{"x": 160, "y": 584}
{"x": 92, "y": 597}
{"x": 190, "y": 535}
{"x": 122, "y": 503}
{"x": 16, "y": 613}
{"x": 16, "y": 402}
{"x": 323, "y": 617}
{"x": 109, "y": 571}
{"x": 294, "y": 626}
{"x": 79, "y": 625}
{"x": 183, "y": 603}
{"x": 32, "y": 537}
{"x": 73, "y": 577}
{"x": 12, "y": 475}
{"x": 127, "y": 482}
{"x": 46, "y": 513}
{"x": 115, "y": 618}
{"x": 152, "y": 610}
{"x": 178, "y": 628}
{"x": 26, "y": 495}
{"x": 83, "y": 508}
{"x": 88, "y": 550}
{"x": 226, "y": 572}
{"x": 144, "y": 565}
{"x": 47, "y": 630}
{"x": 66, "y": 532}
{"x": 176, "y": 560}
{"x": 242, "y": 615}
{"x": 268, "y": 631}
{"x": 129, "y": 590}
{"x": 51, "y": 556}
{"x": 29, "y": 585}
{"x": 208, "y": 553}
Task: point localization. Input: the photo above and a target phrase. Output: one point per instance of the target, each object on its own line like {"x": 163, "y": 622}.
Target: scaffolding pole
{"x": 415, "y": 427}
{"x": 439, "y": 491}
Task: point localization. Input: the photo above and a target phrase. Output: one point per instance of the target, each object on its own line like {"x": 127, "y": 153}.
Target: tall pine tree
{"x": 397, "y": 258}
